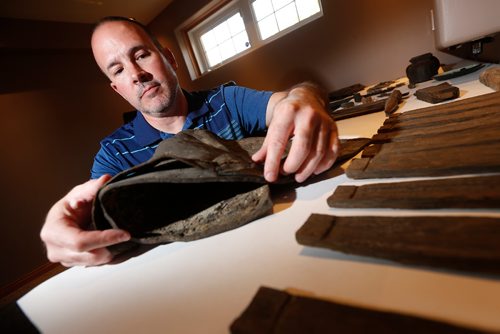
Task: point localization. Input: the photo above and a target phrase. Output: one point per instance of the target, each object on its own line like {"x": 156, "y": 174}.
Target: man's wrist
{"x": 311, "y": 88}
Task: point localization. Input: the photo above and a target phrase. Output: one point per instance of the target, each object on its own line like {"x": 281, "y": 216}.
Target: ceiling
{"x": 81, "y": 11}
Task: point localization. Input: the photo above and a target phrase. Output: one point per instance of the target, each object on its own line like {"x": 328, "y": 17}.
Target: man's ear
{"x": 170, "y": 58}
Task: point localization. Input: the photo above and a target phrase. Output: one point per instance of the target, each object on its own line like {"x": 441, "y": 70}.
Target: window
{"x": 225, "y": 40}
{"x": 225, "y": 30}
{"x": 273, "y": 16}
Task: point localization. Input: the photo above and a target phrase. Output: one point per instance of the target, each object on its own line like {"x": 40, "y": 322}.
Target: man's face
{"x": 138, "y": 71}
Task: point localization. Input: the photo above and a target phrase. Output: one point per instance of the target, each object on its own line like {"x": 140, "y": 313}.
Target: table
{"x": 202, "y": 286}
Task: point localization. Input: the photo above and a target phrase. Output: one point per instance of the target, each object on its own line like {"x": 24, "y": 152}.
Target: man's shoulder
{"x": 123, "y": 133}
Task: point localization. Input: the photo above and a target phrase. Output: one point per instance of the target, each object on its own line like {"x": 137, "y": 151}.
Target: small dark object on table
{"x": 439, "y": 93}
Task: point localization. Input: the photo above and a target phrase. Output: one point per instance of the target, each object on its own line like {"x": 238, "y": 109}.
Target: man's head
{"x": 139, "y": 68}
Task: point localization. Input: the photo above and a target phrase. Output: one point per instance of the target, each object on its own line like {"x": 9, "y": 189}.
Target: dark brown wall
{"x": 355, "y": 41}
{"x": 55, "y": 107}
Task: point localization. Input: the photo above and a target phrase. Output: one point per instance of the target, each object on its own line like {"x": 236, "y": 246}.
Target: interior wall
{"x": 356, "y": 41}
{"x": 55, "y": 107}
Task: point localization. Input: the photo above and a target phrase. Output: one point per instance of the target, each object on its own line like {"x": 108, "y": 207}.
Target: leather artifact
{"x": 195, "y": 185}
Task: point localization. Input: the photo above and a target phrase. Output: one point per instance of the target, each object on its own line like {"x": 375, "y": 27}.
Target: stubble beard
{"x": 163, "y": 103}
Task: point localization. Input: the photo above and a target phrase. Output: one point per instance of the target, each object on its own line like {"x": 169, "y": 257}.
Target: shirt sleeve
{"x": 105, "y": 163}
{"x": 248, "y": 106}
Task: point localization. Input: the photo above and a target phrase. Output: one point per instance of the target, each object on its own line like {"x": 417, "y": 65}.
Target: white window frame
{"x": 189, "y": 33}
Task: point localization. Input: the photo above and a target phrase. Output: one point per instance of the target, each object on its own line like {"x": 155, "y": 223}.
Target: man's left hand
{"x": 299, "y": 114}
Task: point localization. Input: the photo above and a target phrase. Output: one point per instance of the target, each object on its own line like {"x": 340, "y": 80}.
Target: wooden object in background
{"x": 458, "y": 138}
{"x": 463, "y": 243}
{"x": 345, "y": 92}
{"x": 274, "y": 311}
{"x": 432, "y": 156}
{"x": 491, "y": 78}
{"x": 466, "y": 192}
{"x": 359, "y": 110}
{"x": 392, "y": 102}
{"x": 438, "y": 93}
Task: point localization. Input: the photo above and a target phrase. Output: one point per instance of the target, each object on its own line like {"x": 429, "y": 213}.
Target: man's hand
{"x": 299, "y": 113}
{"x": 64, "y": 232}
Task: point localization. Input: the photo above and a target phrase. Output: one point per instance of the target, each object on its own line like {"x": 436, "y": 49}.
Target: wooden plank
{"x": 447, "y": 147}
{"x": 468, "y": 192}
{"x": 274, "y": 311}
{"x": 359, "y": 110}
{"x": 438, "y": 93}
{"x": 463, "y": 243}
{"x": 438, "y": 119}
{"x": 476, "y": 124}
{"x": 451, "y": 107}
{"x": 475, "y": 153}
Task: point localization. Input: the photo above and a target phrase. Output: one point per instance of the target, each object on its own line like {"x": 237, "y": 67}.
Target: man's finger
{"x": 330, "y": 156}
{"x": 313, "y": 158}
{"x": 92, "y": 258}
{"x": 84, "y": 241}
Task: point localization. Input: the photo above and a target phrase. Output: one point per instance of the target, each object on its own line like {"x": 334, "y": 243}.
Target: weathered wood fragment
{"x": 342, "y": 93}
{"x": 359, "y": 110}
{"x": 459, "y": 138}
{"x": 392, "y": 102}
{"x": 472, "y": 153}
{"x": 274, "y": 311}
{"x": 466, "y": 192}
{"x": 473, "y": 103}
{"x": 463, "y": 243}
{"x": 438, "y": 93}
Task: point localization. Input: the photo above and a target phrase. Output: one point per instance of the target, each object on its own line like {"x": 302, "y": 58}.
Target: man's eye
{"x": 118, "y": 71}
{"x": 142, "y": 55}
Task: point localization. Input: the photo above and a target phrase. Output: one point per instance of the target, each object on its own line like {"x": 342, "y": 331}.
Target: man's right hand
{"x": 64, "y": 232}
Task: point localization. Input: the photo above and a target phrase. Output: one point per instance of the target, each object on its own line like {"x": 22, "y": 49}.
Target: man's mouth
{"x": 147, "y": 89}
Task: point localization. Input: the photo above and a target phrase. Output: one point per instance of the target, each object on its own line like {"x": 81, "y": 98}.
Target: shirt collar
{"x": 145, "y": 134}
{"x": 196, "y": 108}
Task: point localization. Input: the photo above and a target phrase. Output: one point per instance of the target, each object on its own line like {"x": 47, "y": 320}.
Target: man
{"x": 143, "y": 73}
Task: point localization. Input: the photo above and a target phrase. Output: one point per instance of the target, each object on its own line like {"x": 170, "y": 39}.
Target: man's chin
{"x": 160, "y": 112}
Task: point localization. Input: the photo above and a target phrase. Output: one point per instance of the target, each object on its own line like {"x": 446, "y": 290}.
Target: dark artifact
{"x": 195, "y": 185}
{"x": 422, "y": 68}
{"x": 274, "y": 311}
{"x": 457, "y": 138}
{"x": 392, "y": 102}
{"x": 342, "y": 93}
{"x": 381, "y": 85}
{"x": 465, "y": 192}
{"x": 463, "y": 243}
{"x": 438, "y": 93}
{"x": 457, "y": 72}
{"x": 491, "y": 78}
{"x": 362, "y": 109}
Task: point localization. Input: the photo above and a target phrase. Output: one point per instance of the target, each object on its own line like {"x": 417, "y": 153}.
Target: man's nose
{"x": 139, "y": 74}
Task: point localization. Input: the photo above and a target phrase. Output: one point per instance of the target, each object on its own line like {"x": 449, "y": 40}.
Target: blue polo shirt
{"x": 231, "y": 112}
